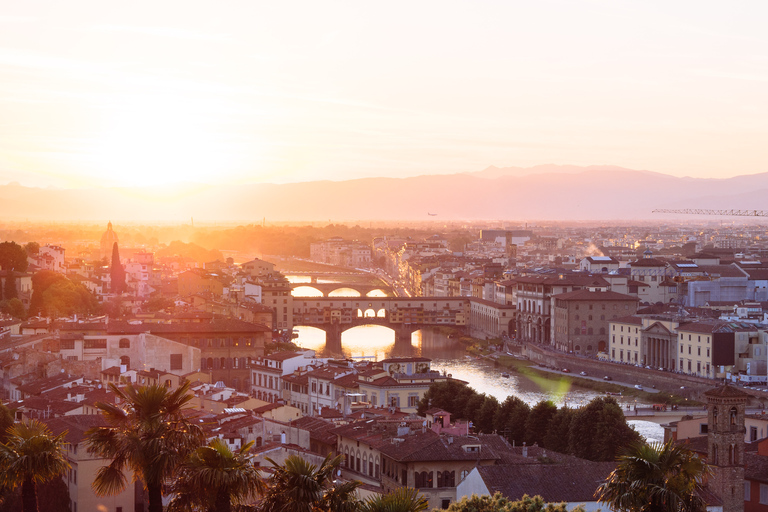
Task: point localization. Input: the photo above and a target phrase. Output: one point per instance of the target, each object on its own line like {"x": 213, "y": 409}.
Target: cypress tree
{"x": 117, "y": 272}
{"x": 9, "y": 290}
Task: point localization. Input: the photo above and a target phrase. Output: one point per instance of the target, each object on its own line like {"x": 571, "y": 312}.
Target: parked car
{"x": 607, "y": 377}
{"x": 566, "y": 370}
{"x": 638, "y": 386}
{"x": 583, "y": 374}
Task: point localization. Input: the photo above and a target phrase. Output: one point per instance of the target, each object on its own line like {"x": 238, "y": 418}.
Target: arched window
{"x": 346, "y": 456}
{"x": 714, "y": 413}
{"x": 124, "y": 343}
{"x": 357, "y": 462}
{"x": 734, "y": 412}
{"x": 365, "y": 462}
{"x": 223, "y": 363}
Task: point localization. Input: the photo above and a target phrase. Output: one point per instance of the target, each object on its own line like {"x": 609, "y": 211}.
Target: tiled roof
{"x": 631, "y": 319}
{"x": 318, "y": 429}
{"x": 282, "y": 356}
{"x": 594, "y": 296}
{"x": 75, "y": 426}
{"x": 726, "y": 391}
{"x": 553, "y": 482}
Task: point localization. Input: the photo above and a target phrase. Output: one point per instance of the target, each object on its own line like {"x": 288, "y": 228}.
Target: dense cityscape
{"x": 658, "y": 317}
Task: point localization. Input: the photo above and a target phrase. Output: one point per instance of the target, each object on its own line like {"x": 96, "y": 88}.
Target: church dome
{"x": 108, "y": 239}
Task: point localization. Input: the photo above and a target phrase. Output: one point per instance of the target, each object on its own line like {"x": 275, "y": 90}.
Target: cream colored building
{"x": 84, "y": 467}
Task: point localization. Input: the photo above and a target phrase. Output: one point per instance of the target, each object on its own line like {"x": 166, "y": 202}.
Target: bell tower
{"x": 725, "y": 444}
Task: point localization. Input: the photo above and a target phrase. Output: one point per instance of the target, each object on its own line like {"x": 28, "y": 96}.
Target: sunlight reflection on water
{"x": 376, "y": 343}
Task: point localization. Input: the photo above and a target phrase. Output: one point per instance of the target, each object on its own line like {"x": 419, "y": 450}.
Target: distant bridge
{"x": 404, "y": 315}
{"x": 327, "y": 288}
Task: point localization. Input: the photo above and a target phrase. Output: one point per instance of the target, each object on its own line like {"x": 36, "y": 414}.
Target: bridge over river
{"x": 404, "y": 315}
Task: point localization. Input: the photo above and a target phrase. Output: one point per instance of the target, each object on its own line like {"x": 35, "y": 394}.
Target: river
{"x": 376, "y": 343}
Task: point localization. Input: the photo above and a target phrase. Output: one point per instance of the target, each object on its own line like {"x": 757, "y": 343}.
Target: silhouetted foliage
{"x": 9, "y": 287}
{"x": 32, "y": 248}
{"x": 599, "y": 431}
{"x": 498, "y": 503}
{"x": 538, "y": 422}
{"x": 556, "y": 437}
{"x": 116, "y": 272}
{"x": 55, "y": 295}
{"x": 13, "y": 257}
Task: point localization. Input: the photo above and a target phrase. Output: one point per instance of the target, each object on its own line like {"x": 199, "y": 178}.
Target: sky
{"x": 141, "y": 93}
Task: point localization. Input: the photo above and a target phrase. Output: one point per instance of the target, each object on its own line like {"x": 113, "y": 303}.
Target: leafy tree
{"x": 148, "y": 434}
{"x": 116, "y": 272}
{"x": 13, "y": 257}
{"x": 484, "y": 417}
{"x": 538, "y": 422}
{"x": 656, "y": 478}
{"x": 403, "y": 499}
{"x": 13, "y": 307}
{"x": 498, "y": 503}
{"x": 558, "y": 430}
{"x": 214, "y": 477}
{"x": 599, "y": 431}
{"x": 53, "y": 294}
{"x": 31, "y": 454}
{"x": 32, "y": 248}
{"x": 298, "y": 486}
{"x": 510, "y": 419}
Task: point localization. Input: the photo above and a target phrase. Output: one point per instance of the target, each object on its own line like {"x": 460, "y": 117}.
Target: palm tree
{"x": 298, "y": 486}
{"x": 148, "y": 435}
{"x": 656, "y": 477}
{"x": 31, "y": 454}
{"x": 404, "y": 499}
{"x": 214, "y": 477}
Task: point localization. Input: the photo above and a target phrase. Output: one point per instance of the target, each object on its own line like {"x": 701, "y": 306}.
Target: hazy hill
{"x": 542, "y": 192}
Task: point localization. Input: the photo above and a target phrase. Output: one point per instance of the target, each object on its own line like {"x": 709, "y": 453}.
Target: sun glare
{"x": 151, "y": 141}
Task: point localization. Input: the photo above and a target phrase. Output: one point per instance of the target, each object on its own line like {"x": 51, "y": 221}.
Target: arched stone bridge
{"x": 327, "y": 288}
{"x": 404, "y": 315}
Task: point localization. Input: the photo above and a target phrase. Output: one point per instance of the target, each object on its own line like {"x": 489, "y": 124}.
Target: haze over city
{"x": 153, "y": 95}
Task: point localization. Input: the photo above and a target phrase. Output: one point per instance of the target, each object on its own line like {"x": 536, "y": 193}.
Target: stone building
{"x": 581, "y": 319}
{"x": 725, "y": 445}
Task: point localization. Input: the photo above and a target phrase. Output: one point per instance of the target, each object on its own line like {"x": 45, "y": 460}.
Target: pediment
{"x": 657, "y": 328}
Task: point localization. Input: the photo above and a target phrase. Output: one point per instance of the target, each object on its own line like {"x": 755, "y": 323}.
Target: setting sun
{"x": 151, "y": 140}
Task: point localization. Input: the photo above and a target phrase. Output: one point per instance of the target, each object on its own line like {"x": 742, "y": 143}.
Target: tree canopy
{"x": 498, "y": 503}
{"x": 55, "y": 295}
{"x": 13, "y": 257}
{"x": 597, "y": 431}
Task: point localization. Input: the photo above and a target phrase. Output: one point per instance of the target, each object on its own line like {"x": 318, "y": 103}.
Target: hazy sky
{"x": 126, "y": 93}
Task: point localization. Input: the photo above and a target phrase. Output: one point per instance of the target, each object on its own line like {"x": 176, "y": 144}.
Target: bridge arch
{"x": 344, "y": 291}
{"x": 306, "y": 290}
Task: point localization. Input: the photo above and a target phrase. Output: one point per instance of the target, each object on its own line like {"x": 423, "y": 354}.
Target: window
{"x": 67, "y": 344}
{"x": 176, "y": 362}
{"x": 124, "y": 343}
{"x": 97, "y": 343}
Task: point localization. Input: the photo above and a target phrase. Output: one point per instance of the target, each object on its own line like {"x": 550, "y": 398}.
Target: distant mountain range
{"x": 547, "y": 192}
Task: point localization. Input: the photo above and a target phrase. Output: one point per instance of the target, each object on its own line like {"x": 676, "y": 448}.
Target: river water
{"x": 377, "y": 342}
